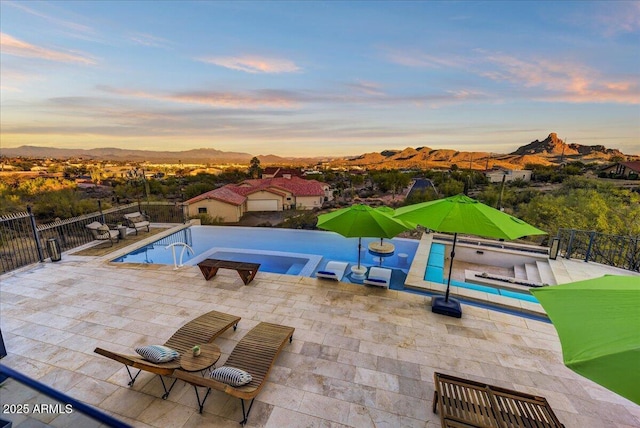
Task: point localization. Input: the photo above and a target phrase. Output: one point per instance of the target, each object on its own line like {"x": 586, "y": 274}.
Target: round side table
{"x": 209, "y": 355}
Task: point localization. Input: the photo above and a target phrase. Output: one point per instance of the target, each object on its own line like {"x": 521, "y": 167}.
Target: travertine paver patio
{"x": 361, "y": 357}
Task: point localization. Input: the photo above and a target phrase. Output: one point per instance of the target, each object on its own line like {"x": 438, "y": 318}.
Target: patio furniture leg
{"x": 166, "y": 391}
{"x": 133, "y": 378}
{"x": 246, "y": 415}
{"x": 201, "y": 404}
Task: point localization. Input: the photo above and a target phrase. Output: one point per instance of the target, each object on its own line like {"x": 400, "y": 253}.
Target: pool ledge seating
{"x": 380, "y": 277}
{"x": 333, "y": 270}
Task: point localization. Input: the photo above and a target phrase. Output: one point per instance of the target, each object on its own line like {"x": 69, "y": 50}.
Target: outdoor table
{"x": 209, "y": 355}
{"x": 247, "y": 271}
{"x": 381, "y": 250}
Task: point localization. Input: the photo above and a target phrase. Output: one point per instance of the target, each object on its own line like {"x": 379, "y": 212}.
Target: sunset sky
{"x": 319, "y": 78}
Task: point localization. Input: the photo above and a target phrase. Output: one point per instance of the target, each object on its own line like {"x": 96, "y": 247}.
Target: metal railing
{"x": 612, "y": 250}
{"x": 22, "y": 241}
{"x": 45, "y": 399}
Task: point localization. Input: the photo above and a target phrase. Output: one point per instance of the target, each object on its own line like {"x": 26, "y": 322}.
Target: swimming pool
{"x": 294, "y": 252}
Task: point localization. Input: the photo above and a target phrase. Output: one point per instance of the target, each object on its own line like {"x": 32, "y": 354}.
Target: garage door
{"x": 262, "y": 205}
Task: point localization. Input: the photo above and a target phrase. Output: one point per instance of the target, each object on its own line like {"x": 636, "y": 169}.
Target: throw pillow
{"x": 137, "y": 219}
{"x": 157, "y": 353}
{"x": 231, "y": 376}
{"x": 103, "y": 228}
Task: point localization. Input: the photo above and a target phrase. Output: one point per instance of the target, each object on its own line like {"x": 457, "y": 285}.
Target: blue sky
{"x": 319, "y": 78}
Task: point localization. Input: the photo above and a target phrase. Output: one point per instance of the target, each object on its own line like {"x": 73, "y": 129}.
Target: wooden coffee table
{"x": 209, "y": 355}
{"x": 247, "y": 271}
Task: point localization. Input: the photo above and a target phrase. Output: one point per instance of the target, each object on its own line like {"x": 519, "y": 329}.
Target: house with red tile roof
{"x": 229, "y": 203}
{"x": 623, "y": 169}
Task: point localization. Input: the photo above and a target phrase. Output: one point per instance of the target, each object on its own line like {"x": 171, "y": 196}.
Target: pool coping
{"x": 414, "y": 281}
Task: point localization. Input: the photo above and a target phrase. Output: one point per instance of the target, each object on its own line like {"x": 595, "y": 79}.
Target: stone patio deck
{"x": 360, "y": 357}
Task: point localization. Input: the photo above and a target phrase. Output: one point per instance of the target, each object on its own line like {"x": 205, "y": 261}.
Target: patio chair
{"x": 255, "y": 354}
{"x": 101, "y": 232}
{"x": 466, "y": 403}
{"x": 137, "y": 221}
{"x": 380, "y": 277}
{"x": 333, "y": 270}
{"x": 201, "y": 330}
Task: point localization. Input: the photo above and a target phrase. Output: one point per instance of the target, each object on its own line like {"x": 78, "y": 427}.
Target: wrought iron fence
{"x": 612, "y": 250}
{"x": 22, "y": 242}
{"x": 18, "y": 246}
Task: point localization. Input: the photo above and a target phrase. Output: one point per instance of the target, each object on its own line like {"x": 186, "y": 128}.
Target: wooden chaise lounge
{"x": 201, "y": 330}
{"x": 466, "y": 403}
{"x": 255, "y": 353}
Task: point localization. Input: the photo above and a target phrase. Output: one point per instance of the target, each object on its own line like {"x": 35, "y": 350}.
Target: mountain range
{"x": 551, "y": 150}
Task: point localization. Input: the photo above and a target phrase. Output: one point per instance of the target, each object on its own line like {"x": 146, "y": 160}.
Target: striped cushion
{"x": 231, "y": 376}
{"x": 157, "y": 353}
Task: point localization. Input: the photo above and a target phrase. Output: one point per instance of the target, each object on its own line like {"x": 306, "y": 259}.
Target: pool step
{"x": 546, "y": 274}
{"x": 295, "y": 269}
{"x": 532, "y": 272}
{"x": 519, "y": 272}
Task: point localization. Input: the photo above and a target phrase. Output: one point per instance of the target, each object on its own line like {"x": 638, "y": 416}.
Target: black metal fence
{"x": 22, "y": 242}
{"x": 612, "y": 250}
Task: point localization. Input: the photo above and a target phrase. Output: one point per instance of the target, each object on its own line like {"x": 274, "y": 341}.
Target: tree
{"x": 254, "y": 168}
{"x": 587, "y": 205}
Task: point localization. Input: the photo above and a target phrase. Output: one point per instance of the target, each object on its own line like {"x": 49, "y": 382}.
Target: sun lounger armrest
{"x": 121, "y": 358}
{"x": 138, "y": 362}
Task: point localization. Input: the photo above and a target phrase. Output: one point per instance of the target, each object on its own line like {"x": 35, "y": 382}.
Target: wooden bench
{"x": 247, "y": 271}
{"x": 466, "y": 403}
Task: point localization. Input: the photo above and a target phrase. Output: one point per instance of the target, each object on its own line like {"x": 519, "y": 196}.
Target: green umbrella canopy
{"x": 391, "y": 212}
{"x": 360, "y": 221}
{"x": 462, "y": 214}
{"x": 598, "y": 322}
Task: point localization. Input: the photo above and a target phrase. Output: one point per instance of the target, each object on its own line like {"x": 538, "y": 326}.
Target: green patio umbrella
{"x": 462, "y": 214}
{"x": 361, "y": 221}
{"x": 598, "y": 322}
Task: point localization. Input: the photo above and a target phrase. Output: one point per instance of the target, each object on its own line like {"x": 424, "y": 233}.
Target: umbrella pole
{"x": 359, "y": 250}
{"x": 453, "y": 254}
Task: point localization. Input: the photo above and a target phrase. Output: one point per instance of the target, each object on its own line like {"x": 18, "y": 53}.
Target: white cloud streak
{"x": 252, "y": 64}
{"x": 12, "y": 46}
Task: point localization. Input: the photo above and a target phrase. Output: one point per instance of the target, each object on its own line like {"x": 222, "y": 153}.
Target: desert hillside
{"x": 549, "y": 151}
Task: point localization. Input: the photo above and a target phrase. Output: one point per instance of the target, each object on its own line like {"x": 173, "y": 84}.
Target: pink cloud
{"x": 253, "y": 64}
{"x": 257, "y": 99}
{"x": 367, "y": 88}
{"x": 617, "y": 17}
{"x": 12, "y": 46}
{"x": 564, "y": 80}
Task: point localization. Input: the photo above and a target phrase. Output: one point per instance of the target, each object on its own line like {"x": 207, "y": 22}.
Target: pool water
{"x": 435, "y": 273}
{"x": 288, "y": 251}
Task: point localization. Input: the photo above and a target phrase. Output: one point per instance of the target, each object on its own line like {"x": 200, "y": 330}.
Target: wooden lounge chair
{"x": 201, "y": 330}
{"x": 255, "y": 353}
{"x": 466, "y": 403}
